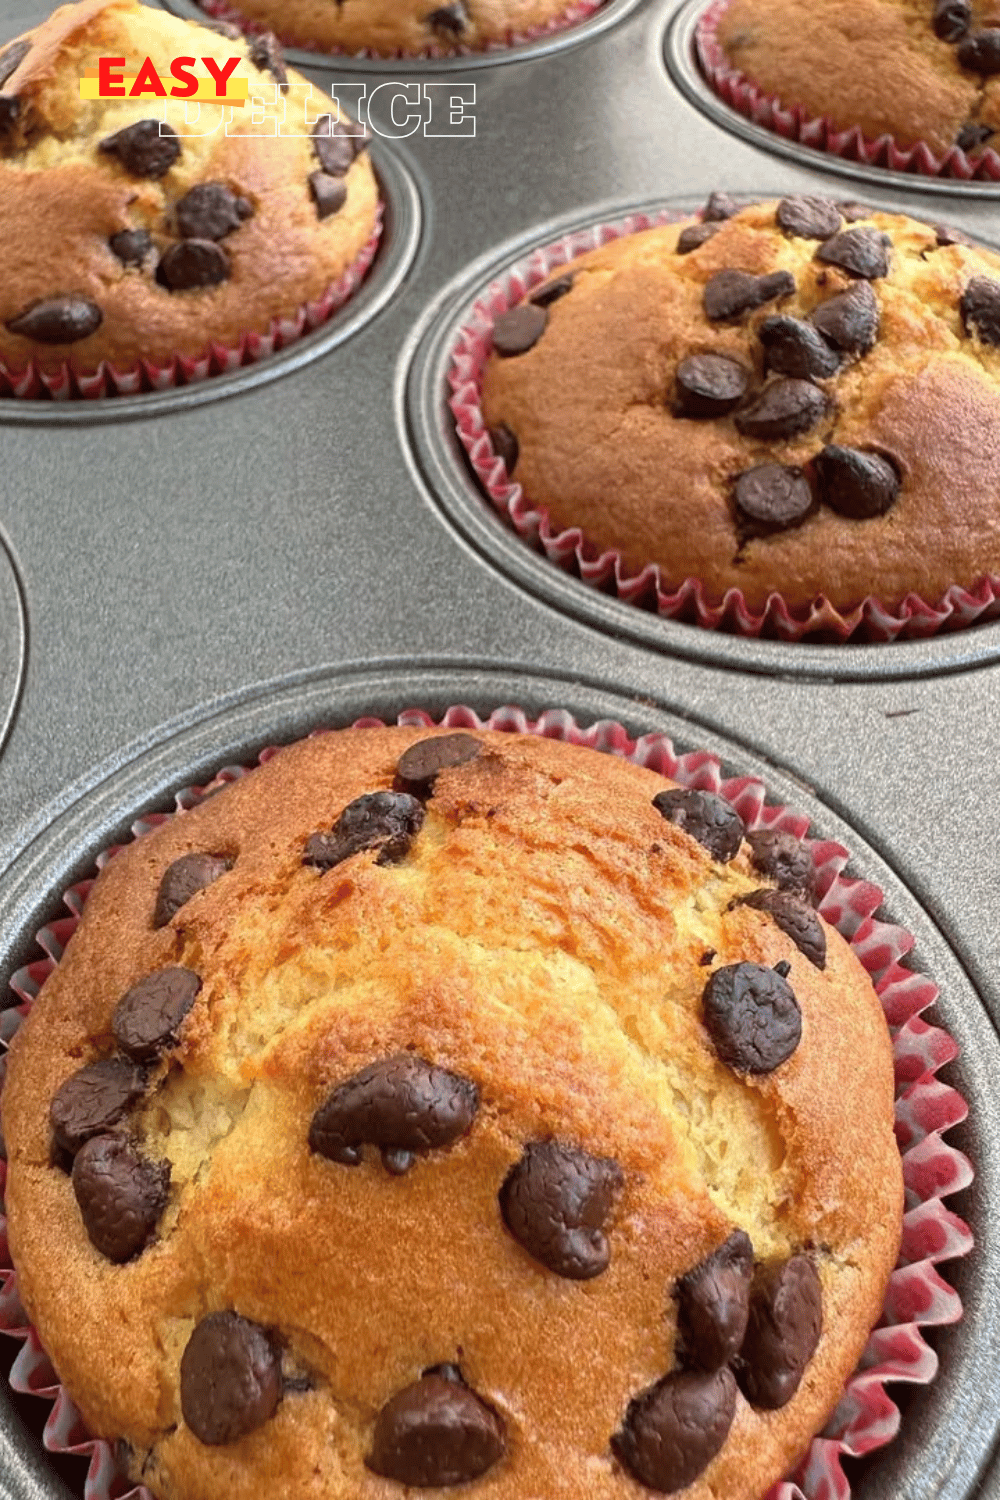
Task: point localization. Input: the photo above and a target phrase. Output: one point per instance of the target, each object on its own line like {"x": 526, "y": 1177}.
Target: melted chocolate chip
{"x": 449, "y": 21}
{"x": 266, "y": 54}
{"x": 12, "y": 57}
{"x": 859, "y": 251}
{"x": 850, "y": 320}
{"x": 786, "y": 1319}
{"x": 183, "y": 879}
{"x": 855, "y": 484}
{"x": 752, "y": 1017}
{"x": 193, "y": 264}
{"x": 853, "y": 211}
{"x": 400, "y": 1103}
{"x": 147, "y": 1019}
{"x": 94, "y": 1099}
{"x": 505, "y": 445}
{"x": 947, "y": 234}
{"x": 714, "y": 1304}
{"x": 793, "y": 347}
{"x": 335, "y": 146}
{"x": 417, "y": 768}
{"x": 980, "y": 51}
{"x": 773, "y": 497}
{"x": 131, "y": 246}
{"x": 809, "y": 218}
{"x": 784, "y": 409}
{"x": 973, "y": 135}
{"x": 695, "y": 236}
{"x": 797, "y": 920}
{"x": 730, "y": 294}
{"x": 710, "y": 385}
{"x": 519, "y": 329}
{"x": 230, "y": 1378}
{"x": 435, "y": 1432}
{"x": 328, "y": 193}
{"x": 555, "y": 1202}
{"x": 148, "y": 148}
{"x": 210, "y": 211}
{"x": 672, "y": 1431}
{"x": 121, "y": 1195}
{"x": 386, "y": 821}
{"x": 952, "y": 19}
{"x": 58, "y": 320}
{"x": 704, "y": 816}
{"x": 980, "y": 307}
{"x": 784, "y": 859}
{"x": 720, "y": 206}
{"x": 551, "y": 291}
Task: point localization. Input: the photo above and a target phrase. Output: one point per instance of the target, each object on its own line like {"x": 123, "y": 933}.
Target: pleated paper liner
{"x": 69, "y": 384}
{"x": 917, "y": 1298}
{"x": 819, "y": 133}
{"x": 686, "y": 600}
{"x": 573, "y": 15}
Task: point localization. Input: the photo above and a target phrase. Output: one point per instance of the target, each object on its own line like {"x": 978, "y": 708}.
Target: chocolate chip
{"x": 505, "y": 445}
{"x": 449, "y": 21}
{"x": 710, "y": 385}
{"x": 773, "y": 496}
{"x": 980, "y": 51}
{"x": 809, "y": 218}
{"x": 786, "y": 1319}
{"x": 12, "y": 57}
{"x": 58, "y": 320}
{"x": 193, "y": 264}
{"x": 266, "y": 54}
{"x": 210, "y": 211}
{"x": 183, "y": 879}
{"x": 555, "y": 1201}
{"x": 852, "y": 210}
{"x": 785, "y": 859}
{"x": 551, "y": 291}
{"x": 714, "y": 1303}
{"x": 147, "y": 1019}
{"x": 859, "y": 251}
{"x": 980, "y": 307}
{"x": 855, "y": 484}
{"x": 730, "y": 294}
{"x": 131, "y": 246}
{"x": 386, "y": 821}
{"x": 94, "y": 1099}
{"x": 519, "y": 329}
{"x": 793, "y": 347}
{"x": 850, "y": 320}
{"x": 784, "y": 409}
{"x": 972, "y": 136}
{"x": 230, "y": 1378}
{"x": 400, "y": 1103}
{"x": 797, "y": 920}
{"x": 148, "y": 148}
{"x": 752, "y": 1017}
{"x": 704, "y": 816}
{"x": 435, "y": 1432}
{"x": 335, "y": 146}
{"x": 329, "y": 194}
{"x": 121, "y": 1195}
{"x": 672, "y": 1431}
{"x": 418, "y": 766}
{"x": 694, "y": 236}
{"x": 9, "y": 111}
{"x": 719, "y": 206}
{"x": 952, "y": 19}
{"x": 947, "y": 234}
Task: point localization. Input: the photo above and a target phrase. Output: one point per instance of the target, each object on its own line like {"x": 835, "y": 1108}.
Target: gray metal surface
{"x": 210, "y": 570}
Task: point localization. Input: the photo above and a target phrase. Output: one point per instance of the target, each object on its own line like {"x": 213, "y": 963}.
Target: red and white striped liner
{"x": 215, "y": 359}
{"x": 819, "y": 132}
{"x": 571, "y": 550}
{"x": 866, "y": 1418}
{"x": 579, "y": 10}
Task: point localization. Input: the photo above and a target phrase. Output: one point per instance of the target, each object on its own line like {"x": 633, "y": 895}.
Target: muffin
{"x": 922, "y": 75}
{"x": 430, "y": 1109}
{"x": 126, "y": 239}
{"x": 789, "y": 403}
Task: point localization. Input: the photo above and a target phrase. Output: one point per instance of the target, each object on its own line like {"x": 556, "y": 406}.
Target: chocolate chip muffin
{"x": 795, "y": 399}
{"x": 924, "y": 72}
{"x": 123, "y": 238}
{"x": 430, "y": 1109}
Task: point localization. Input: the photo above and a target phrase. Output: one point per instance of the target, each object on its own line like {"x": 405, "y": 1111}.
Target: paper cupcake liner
{"x": 68, "y": 384}
{"x": 579, "y": 10}
{"x": 819, "y": 132}
{"x": 917, "y": 1297}
{"x": 571, "y": 550}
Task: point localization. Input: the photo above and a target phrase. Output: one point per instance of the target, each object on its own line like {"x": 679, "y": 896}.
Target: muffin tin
{"x": 191, "y": 575}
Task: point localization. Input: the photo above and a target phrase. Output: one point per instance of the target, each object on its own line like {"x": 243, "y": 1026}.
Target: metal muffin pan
{"x": 192, "y": 577}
